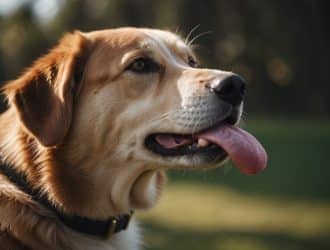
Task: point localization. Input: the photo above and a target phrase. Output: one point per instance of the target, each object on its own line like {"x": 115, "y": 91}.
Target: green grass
{"x": 298, "y": 161}
{"x": 285, "y": 207}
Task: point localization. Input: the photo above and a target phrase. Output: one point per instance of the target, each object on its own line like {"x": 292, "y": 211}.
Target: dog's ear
{"x": 43, "y": 96}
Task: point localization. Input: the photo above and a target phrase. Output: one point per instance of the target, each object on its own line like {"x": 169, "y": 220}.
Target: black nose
{"x": 231, "y": 89}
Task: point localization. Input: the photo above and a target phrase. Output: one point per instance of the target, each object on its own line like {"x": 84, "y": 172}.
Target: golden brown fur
{"x": 75, "y": 126}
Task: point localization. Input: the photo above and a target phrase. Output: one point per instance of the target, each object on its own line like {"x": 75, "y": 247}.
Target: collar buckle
{"x": 112, "y": 228}
{"x": 118, "y": 224}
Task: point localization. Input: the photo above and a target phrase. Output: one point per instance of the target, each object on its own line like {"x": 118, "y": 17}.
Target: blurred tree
{"x": 280, "y": 47}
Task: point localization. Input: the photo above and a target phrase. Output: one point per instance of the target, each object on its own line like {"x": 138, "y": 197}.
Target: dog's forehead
{"x": 141, "y": 38}
{"x": 167, "y": 38}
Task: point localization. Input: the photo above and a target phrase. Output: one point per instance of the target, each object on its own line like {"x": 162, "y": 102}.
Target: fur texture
{"x": 76, "y": 127}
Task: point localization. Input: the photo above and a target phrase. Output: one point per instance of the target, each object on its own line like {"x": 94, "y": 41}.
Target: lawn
{"x": 285, "y": 207}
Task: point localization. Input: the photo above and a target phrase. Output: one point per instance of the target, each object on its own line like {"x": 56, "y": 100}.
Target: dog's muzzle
{"x": 206, "y": 130}
{"x": 221, "y": 101}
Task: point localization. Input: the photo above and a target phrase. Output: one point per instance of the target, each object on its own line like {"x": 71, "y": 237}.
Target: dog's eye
{"x": 144, "y": 65}
{"x": 192, "y": 62}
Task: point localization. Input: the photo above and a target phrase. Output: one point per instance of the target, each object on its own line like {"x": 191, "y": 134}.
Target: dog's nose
{"x": 231, "y": 89}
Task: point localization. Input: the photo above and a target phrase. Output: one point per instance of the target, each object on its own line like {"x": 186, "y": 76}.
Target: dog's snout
{"x": 231, "y": 89}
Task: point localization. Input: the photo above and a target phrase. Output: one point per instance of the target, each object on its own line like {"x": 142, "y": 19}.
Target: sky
{"x": 44, "y": 10}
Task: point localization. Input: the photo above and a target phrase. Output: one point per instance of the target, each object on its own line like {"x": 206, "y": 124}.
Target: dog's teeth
{"x": 202, "y": 143}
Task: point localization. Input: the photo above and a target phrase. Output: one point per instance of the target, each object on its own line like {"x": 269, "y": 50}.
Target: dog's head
{"x": 133, "y": 99}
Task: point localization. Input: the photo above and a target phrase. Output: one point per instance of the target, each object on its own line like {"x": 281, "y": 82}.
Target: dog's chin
{"x": 197, "y": 161}
{"x": 187, "y": 156}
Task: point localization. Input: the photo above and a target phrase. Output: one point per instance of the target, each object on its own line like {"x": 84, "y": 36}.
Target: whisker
{"x": 158, "y": 119}
{"x": 190, "y": 33}
{"x": 164, "y": 116}
{"x": 177, "y": 30}
{"x": 242, "y": 121}
{"x": 161, "y": 117}
{"x": 198, "y": 36}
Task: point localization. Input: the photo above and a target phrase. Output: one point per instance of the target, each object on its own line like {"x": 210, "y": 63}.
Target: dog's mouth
{"x": 171, "y": 145}
{"x": 218, "y": 141}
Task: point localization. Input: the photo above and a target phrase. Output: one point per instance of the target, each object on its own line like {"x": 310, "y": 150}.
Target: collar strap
{"x": 100, "y": 228}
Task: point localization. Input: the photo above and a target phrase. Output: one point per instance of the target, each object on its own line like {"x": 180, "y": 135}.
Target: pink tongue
{"x": 243, "y": 148}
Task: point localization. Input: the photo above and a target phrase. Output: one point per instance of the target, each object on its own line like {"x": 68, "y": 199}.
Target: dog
{"x": 92, "y": 126}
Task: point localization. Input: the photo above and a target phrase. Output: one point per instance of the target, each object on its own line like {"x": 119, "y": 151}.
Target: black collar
{"x": 100, "y": 228}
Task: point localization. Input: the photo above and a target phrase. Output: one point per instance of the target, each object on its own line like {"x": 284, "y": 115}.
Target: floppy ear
{"x": 43, "y": 95}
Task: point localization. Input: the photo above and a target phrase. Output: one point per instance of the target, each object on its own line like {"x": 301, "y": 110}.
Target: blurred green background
{"x": 283, "y": 49}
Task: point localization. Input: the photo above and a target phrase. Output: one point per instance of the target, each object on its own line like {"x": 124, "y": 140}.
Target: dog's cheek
{"x": 147, "y": 189}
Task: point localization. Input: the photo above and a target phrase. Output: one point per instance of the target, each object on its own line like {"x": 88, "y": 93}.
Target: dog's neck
{"x": 89, "y": 189}
{"x": 36, "y": 227}
{"x": 45, "y": 234}
{"x": 40, "y": 165}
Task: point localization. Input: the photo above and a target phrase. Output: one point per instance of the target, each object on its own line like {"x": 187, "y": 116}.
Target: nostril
{"x": 227, "y": 89}
{"x": 231, "y": 89}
